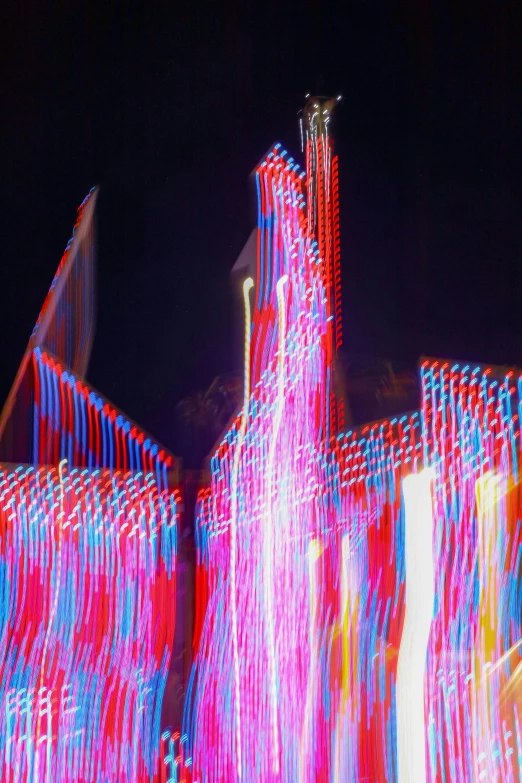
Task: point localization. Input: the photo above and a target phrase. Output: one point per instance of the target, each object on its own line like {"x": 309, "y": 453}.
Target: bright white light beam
{"x": 420, "y": 593}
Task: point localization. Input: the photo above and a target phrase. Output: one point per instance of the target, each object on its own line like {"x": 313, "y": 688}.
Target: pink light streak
{"x": 87, "y": 572}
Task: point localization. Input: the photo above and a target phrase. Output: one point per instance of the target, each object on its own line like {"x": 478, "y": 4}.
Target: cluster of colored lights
{"x": 358, "y": 608}
{"x": 87, "y": 579}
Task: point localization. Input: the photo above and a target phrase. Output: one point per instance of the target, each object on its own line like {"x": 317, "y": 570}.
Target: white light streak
{"x": 420, "y": 592}
{"x": 247, "y": 285}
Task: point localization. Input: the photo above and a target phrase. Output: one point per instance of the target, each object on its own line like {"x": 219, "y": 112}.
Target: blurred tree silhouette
{"x": 373, "y": 388}
{"x": 203, "y": 416}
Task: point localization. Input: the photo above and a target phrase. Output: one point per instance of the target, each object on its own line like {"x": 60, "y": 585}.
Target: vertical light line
{"x": 268, "y": 532}
{"x": 306, "y": 754}
{"x": 346, "y": 636}
{"x": 420, "y": 594}
{"x": 51, "y": 620}
{"x": 488, "y": 491}
{"x": 247, "y": 285}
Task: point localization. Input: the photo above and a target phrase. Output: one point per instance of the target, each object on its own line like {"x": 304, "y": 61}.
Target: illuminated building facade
{"x": 358, "y": 603}
{"x": 88, "y": 529}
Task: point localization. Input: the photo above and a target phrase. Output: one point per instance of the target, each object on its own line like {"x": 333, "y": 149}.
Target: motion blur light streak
{"x": 358, "y": 593}
{"x": 377, "y": 600}
{"x": 53, "y": 611}
{"x": 419, "y": 599}
{"x": 474, "y": 436}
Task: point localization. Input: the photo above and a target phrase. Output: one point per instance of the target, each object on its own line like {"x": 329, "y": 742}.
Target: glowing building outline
{"x": 88, "y": 539}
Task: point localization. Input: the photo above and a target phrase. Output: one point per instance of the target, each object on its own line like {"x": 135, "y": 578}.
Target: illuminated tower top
{"x": 323, "y": 198}
{"x": 297, "y": 234}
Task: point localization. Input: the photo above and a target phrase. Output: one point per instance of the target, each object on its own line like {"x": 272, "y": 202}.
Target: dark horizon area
{"x": 169, "y": 109}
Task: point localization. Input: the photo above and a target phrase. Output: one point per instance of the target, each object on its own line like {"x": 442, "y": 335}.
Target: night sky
{"x": 168, "y": 107}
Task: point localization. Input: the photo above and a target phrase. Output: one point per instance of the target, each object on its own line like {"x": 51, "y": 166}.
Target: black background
{"x": 169, "y": 106}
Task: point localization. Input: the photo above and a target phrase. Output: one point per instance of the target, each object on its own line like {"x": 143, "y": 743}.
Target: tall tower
{"x": 322, "y": 177}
